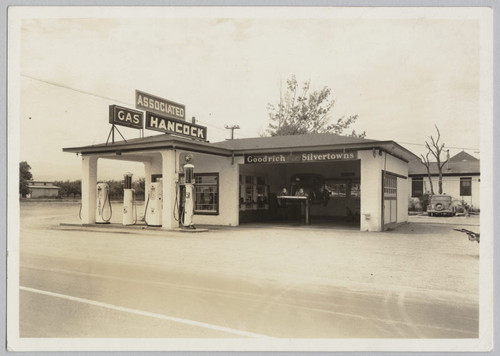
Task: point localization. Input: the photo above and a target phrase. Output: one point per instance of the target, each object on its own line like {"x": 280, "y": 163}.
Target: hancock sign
{"x": 164, "y": 124}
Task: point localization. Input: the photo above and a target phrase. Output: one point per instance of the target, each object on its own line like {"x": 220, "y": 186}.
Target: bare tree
{"x": 427, "y": 164}
{"x": 436, "y": 148}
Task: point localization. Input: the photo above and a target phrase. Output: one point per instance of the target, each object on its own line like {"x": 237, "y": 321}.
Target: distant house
{"x": 38, "y": 189}
{"x": 461, "y": 178}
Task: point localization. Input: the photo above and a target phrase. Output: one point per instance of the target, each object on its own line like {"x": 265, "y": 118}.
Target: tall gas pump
{"x": 128, "y": 200}
{"x": 154, "y": 205}
{"x": 188, "y": 197}
{"x": 103, "y": 204}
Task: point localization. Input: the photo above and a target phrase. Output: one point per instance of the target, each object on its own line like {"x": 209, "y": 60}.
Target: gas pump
{"x": 128, "y": 201}
{"x": 154, "y": 205}
{"x": 188, "y": 212}
{"x": 103, "y": 212}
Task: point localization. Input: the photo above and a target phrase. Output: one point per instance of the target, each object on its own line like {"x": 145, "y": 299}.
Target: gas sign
{"x": 126, "y": 117}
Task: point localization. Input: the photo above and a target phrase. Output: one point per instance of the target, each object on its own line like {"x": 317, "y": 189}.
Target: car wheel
{"x": 429, "y": 214}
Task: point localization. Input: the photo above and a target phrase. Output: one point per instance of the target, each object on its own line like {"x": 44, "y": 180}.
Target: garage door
{"x": 390, "y": 199}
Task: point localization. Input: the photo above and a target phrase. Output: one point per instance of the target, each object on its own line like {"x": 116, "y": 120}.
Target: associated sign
{"x": 178, "y": 127}
{"x": 160, "y": 106}
{"x": 298, "y": 157}
{"x": 125, "y": 117}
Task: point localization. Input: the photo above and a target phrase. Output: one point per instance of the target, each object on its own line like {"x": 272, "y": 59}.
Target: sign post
{"x": 119, "y": 115}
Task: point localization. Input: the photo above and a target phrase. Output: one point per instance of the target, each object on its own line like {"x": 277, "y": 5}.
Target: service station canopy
{"x": 258, "y": 150}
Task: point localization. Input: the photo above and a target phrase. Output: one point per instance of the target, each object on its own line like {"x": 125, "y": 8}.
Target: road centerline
{"x": 144, "y": 313}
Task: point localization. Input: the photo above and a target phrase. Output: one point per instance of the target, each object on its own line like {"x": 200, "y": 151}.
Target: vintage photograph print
{"x": 250, "y": 179}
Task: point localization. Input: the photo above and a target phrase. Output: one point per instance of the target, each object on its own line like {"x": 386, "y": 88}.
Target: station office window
{"x": 417, "y": 187}
{"x": 206, "y": 193}
{"x": 465, "y": 186}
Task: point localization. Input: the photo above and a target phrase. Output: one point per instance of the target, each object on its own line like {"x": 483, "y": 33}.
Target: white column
{"x": 169, "y": 189}
{"x": 89, "y": 181}
{"x": 371, "y": 190}
{"x": 232, "y": 188}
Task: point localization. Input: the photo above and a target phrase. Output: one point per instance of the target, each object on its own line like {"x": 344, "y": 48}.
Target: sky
{"x": 400, "y": 74}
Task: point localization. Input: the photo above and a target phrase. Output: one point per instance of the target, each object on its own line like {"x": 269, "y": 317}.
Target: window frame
{"x": 464, "y": 188}
{"x": 417, "y": 180}
{"x": 217, "y": 185}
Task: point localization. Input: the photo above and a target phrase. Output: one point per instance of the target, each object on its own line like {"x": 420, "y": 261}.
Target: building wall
{"x": 228, "y": 188}
{"x": 371, "y": 191}
{"x": 451, "y": 186}
{"x": 43, "y": 192}
{"x": 371, "y": 188}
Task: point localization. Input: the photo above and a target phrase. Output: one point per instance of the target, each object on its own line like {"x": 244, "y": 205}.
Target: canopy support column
{"x": 89, "y": 182}
{"x": 169, "y": 190}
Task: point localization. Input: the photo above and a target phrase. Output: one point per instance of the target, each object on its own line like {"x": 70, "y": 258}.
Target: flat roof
{"x": 307, "y": 142}
{"x": 156, "y": 142}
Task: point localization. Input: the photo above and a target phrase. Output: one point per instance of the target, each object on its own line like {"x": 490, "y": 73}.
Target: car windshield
{"x": 445, "y": 198}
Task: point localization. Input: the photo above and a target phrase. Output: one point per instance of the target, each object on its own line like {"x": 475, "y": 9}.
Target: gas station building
{"x": 242, "y": 180}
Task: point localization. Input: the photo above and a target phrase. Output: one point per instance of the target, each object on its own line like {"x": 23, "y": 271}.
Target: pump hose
{"x": 176, "y": 203}
{"x": 80, "y": 212}
{"x": 106, "y": 199}
{"x": 146, "y": 212}
{"x": 134, "y": 203}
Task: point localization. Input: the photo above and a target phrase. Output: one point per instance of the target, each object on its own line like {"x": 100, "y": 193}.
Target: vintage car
{"x": 441, "y": 205}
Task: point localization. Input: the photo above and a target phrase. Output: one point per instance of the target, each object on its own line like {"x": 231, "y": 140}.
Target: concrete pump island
{"x": 315, "y": 178}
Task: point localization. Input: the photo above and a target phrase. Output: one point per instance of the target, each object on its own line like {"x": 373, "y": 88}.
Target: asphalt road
{"x": 251, "y": 281}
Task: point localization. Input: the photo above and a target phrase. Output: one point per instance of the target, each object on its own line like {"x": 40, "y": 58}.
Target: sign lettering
{"x": 159, "y": 106}
{"x": 126, "y": 117}
{"x": 298, "y": 157}
{"x": 168, "y": 125}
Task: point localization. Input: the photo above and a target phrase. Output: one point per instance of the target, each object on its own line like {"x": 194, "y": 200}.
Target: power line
{"x": 103, "y": 97}
{"x": 421, "y": 144}
{"x": 74, "y": 89}
{"x": 232, "y": 128}
{"x": 205, "y": 123}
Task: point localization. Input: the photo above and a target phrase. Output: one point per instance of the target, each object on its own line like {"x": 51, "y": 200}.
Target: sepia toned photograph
{"x": 250, "y": 178}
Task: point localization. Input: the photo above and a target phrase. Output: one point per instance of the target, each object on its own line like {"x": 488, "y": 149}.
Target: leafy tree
{"x": 301, "y": 111}
{"x": 24, "y": 176}
{"x": 69, "y": 188}
{"x": 140, "y": 188}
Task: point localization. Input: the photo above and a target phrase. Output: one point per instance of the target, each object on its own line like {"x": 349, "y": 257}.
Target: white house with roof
{"x": 461, "y": 178}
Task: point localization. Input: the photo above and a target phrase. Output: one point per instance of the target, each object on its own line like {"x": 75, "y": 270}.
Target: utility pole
{"x": 232, "y": 128}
